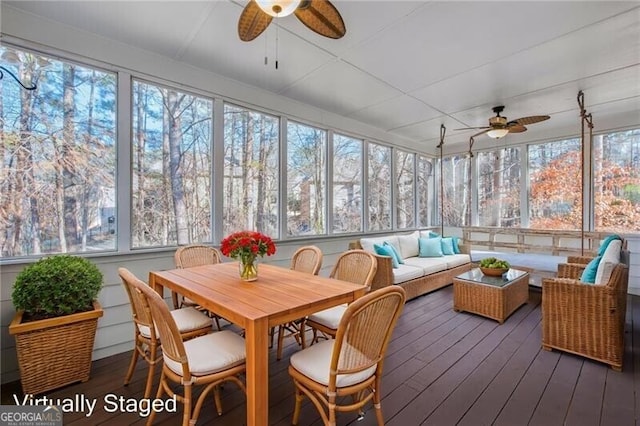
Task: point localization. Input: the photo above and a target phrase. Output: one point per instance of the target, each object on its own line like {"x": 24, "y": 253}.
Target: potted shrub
{"x": 56, "y": 320}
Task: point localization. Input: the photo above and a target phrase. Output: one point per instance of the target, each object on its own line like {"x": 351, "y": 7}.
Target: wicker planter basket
{"x": 55, "y": 352}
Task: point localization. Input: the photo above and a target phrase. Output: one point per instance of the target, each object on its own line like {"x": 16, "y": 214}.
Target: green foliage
{"x": 57, "y": 285}
{"x": 492, "y": 262}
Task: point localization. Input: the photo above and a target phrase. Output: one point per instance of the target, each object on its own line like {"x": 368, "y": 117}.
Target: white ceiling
{"x": 405, "y": 66}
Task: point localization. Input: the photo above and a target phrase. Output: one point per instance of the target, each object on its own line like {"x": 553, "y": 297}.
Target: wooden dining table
{"x": 278, "y": 296}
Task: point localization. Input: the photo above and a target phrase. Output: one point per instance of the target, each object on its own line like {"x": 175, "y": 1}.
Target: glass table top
{"x": 475, "y": 275}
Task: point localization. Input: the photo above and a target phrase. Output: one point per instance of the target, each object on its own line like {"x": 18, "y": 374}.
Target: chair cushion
{"x": 187, "y": 319}
{"x": 314, "y": 362}
{"x": 329, "y": 317}
{"x": 611, "y": 255}
{"x": 430, "y": 247}
{"x": 211, "y": 353}
{"x": 589, "y": 274}
{"x": 395, "y": 251}
{"x": 387, "y": 250}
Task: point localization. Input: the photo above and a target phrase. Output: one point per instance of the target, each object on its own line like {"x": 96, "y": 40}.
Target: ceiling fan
{"x": 499, "y": 126}
{"x": 318, "y": 15}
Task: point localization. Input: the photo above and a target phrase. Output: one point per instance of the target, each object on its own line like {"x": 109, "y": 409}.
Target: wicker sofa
{"x": 586, "y": 320}
{"x": 417, "y": 276}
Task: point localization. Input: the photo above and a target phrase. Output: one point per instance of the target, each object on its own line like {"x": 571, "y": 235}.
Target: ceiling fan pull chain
{"x": 277, "y": 39}
{"x": 266, "y": 50}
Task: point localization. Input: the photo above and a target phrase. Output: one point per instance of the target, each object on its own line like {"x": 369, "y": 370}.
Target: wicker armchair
{"x": 356, "y": 266}
{"x": 188, "y": 257}
{"x": 350, "y": 365}
{"x": 307, "y": 259}
{"x": 586, "y": 320}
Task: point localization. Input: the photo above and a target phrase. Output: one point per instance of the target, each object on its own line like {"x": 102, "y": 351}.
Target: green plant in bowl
{"x": 494, "y": 266}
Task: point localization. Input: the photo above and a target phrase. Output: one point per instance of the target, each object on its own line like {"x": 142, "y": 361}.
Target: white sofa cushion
{"x": 409, "y": 244}
{"x": 457, "y": 260}
{"x": 405, "y": 273}
{"x": 429, "y": 265}
{"x": 610, "y": 258}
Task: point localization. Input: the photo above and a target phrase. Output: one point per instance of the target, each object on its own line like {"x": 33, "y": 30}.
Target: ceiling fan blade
{"x": 516, "y": 128}
{"x": 481, "y": 133}
{"x": 253, "y": 21}
{"x": 473, "y": 128}
{"x": 322, "y": 17}
{"x": 530, "y": 120}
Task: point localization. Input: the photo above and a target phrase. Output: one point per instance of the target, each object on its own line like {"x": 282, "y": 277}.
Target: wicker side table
{"x": 491, "y": 297}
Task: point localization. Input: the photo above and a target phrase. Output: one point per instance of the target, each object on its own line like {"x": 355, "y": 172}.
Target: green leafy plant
{"x": 492, "y": 262}
{"x": 55, "y": 286}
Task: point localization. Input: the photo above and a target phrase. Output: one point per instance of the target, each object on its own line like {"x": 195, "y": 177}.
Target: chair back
{"x": 196, "y": 255}
{"x": 165, "y": 325}
{"x": 141, "y": 316}
{"x": 307, "y": 259}
{"x": 356, "y": 266}
{"x": 364, "y": 332}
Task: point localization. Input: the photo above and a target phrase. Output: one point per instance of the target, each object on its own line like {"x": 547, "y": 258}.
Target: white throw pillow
{"x": 408, "y": 245}
{"x": 610, "y": 258}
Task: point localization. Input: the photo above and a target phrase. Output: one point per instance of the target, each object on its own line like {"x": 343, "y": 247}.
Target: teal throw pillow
{"x": 395, "y": 252}
{"x": 388, "y": 251}
{"x": 430, "y": 247}
{"x": 606, "y": 242}
{"x": 589, "y": 273}
{"x": 456, "y": 247}
{"x": 433, "y": 235}
{"x": 447, "y": 246}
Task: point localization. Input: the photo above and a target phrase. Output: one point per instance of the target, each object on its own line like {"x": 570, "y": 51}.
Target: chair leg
{"x": 296, "y": 410}
{"x": 152, "y": 367}
{"x": 217, "y": 399}
{"x": 303, "y": 341}
{"x": 158, "y": 396}
{"x": 186, "y": 416}
{"x": 377, "y": 403}
{"x": 217, "y": 320}
{"x": 132, "y": 364}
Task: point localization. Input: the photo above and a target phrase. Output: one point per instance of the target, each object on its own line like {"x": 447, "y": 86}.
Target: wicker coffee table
{"x": 491, "y": 297}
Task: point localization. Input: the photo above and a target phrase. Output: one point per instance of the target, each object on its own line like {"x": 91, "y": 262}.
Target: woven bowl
{"x": 494, "y": 272}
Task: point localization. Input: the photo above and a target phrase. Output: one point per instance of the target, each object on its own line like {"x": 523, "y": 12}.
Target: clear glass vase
{"x": 248, "y": 268}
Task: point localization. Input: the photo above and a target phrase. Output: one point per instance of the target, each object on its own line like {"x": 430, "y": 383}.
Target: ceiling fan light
{"x": 497, "y": 133}
{"x": 278, "y": 8}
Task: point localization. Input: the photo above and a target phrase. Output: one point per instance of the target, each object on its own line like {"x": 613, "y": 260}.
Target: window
{"x": 171, "y": 170}
{"x": 379, "y": 183}
{"x": 251, "y": 171}
{"x": 617, "y": 181}
{"x": 57, "y": 156}
{"x": 425, "y": 191}
{"x": 347, "y": 184}
{"x": 405, "y": 185}
{"x": 306, "y": 180}
{"x": 499, "y": 188}
{"x": 555, "y": 174}
{"x": 456, "y": 184}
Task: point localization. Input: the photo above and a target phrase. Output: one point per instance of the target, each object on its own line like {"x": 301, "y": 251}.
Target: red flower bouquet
{"x": 246, "y": 246}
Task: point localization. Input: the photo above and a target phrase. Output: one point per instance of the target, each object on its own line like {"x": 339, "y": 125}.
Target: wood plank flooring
{"x": 441, "y": 368}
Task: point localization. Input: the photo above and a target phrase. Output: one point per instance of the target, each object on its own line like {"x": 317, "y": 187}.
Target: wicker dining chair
{"x": 190, "y": 256}
{"x": 356, "y": 266}
{"x": 307, "y": 259}
{"x": 584, "y": 319}
{"x": 190, "y": 323}
{"x": 350, "y": 364}
{"x": 209, "y": 360}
